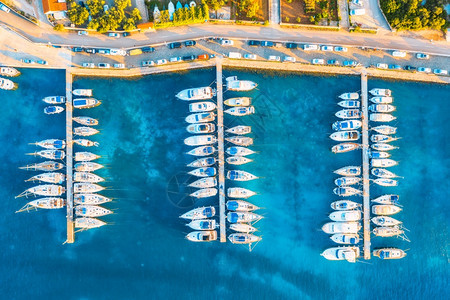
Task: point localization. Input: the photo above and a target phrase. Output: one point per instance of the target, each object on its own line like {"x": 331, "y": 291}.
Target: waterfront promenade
{"x": 69, "y": 160}
{"x": 221, "y": 149}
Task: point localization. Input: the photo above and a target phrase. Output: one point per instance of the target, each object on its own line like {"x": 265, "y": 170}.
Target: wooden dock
{"x": 365, "y": 164}
{"x": 220, "y": 148}
{"x": 69, "y": 160}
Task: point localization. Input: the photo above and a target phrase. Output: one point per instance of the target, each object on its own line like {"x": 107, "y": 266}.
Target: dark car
{"x": 254, "y": 43}
{"x": 90, "y": 50}
{"x": 188, "y": 58}
{"x": 148, "y": 49}
{"x": 77, "y": 49}
{"x": 410, "y": 68}
{"x": 125, "y": 34}
{"x": 395, "y": 67}
{"x": 267, "y": 44}
{"x": 333, "y": 62}
{"x": 190, "y": 43}
{"x": 174, "y": 45}
{"x": 291, "y": 45}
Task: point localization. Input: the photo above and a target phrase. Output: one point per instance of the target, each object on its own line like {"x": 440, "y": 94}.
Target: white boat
{"x": 243, "y": 238}
{"x": 345, "y": 216}
{"x": 381, "y": 138}
{"x": 378, "y": 154}
{"x": 385, "y": 221}
{"x": 347, "y": 180}
{"x": 85, "y": 131}
{"x": 82, "y": 103}
{"x": 87, "y": 166}
{"x": 344, "y": 205}
{"x": 346, "y": 191}
{"x": 85, "y": 156}
{"x": 206, "y": 182}
{"x": 91, "y": 211}
{"x": 239, "y": 151}
{"x": 381, "y": 100}
{"x": 380, "y": 92}
{"x": 387, "y": 199}
{"x": 240, "y": 101}
{"x": 385, "y": 210}
{"x": 243, "y": 217}
{"x": 240, "y": 140}
{"x": 51, "y": 110}
{"x": 240, "y": 205}
{"x": 383, "y": 162}
{"x": 44, "y": 166}
{"x": 341, "y": 136}
{"x": 85, "y": 143}
{"x": 382, "y": 108}
{"x": 204, "y": 193}
{"x": 233, "y": 84}
{"x": 202, "y": 151}
{"x": 385, "y": 129}
{"x": 57, "y": 178}
{"x": 200, "y": 140}
{"x": 87, "y": 121}
{"x": 349, "y": 104}
{"x": 342, "y": 238}
{"x": 82, "y": 92}
{"x": 50, "y": 154}
{"x": 349, "y": 114}
{"x": 203, "y": 172}
{"x": 44, "y": 203}
{"x": 382, "y": 173}
{"x": 201, "y": 118}
{"x": 199, "y": 213}
{"x": 345, "y": 147}
{"x": 349, "y": 171}
{"x": 240, "y": 193}
{"x": 54, "y": 99}
{"x": 86, "y": 188}
{"x": 202, "y": 236}
{"x": 44, "y": 190}
{"x": 202, "y": 162}
{"x": 349, "y": 253}
{"x": 341, "y": 227}
{"x": 349, "y": 96}
{"x": 240, "y": 129}
{"x": 387, "y": 231}
{"x": 91, "y": 199}
{"x": 389, "y": 253}
{"x": 201, "y": 128}
{"x": 202, "y": 224}
{"x": 242, "y": 227}
{"x": 202, "y": 107}
{"x": 241, "y": 111}
{"x": 88, "y": 223}
{"x": 347, "y": 125}
{"x": 9, "y": 72}
{"x": 87, "y": 177}
{"x": 377, "y": 117}
{"x": 386, "y": 182}
{"x": 238, "y": 175}
{"x": 383, "y": 147}
{"x": 51, "y": 144}
{"x": 201, "y": 93}
{"x": 6, "y": 84}
{"x": 238, "y": 160}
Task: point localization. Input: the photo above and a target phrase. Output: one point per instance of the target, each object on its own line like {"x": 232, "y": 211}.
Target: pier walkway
{"x": 69, "y": 160}
{"x": 365, "y": 163}
{"x": 220, "y": 148}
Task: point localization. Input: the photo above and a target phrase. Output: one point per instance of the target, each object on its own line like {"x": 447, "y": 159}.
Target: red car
{"x": 203, "y": 56}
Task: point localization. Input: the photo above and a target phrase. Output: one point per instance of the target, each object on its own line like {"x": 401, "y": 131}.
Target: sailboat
{"x": 243, "y": 238}
{"x": 90, "y": 199}
{"x": 199, "y": 213}
{"x": 44, "y": 190}
{"x": 240, "y": 129}
{"x": 203, "y": 162}
{"x": 87, "y": 121}
{"x": 88, "y": 223}
{"x": 204, "y": 193}
{"x": 57, "y": 178}
{"x": 240, "y": 101}
{"x": 206, "y": 182}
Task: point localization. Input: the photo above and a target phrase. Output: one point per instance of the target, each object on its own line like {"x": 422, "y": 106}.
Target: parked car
{"x": 289, "y": 59}
{"x": 423, "y": 70}
{"x": 309, "y": 47}
{"x": 382, "y": 66}
{"x": 114, "y": 34}
{"x": 422, "y": 56}
{"x": 4, "y": 8}
{"x": 125, "y": 34}
{"x": 27, "y": 61}
{"x": 147, "y": 63}
{"x": 188, "y": 58}
{"x": 409, "y": 68}
{"x": 175, "y": 59}
{"x": 225, "y": 42}
{"x": 190, "y": 43}
{"x": 42, "y": 62}
{"x": 235, "y": 55}
{"x": 117, "y": 52}
{"x": 174, "y": 45}
{"x": 318, "y": 61}
{"x": 326, "y": 48}
{"x": 148, "y": 49}
{"x": 249, "y": 56}
{"x": 351, "y": 63}
{"x": 440, "y": 72}
{"x": 104, "y": 65}
{"x": 119, "y": 66}
{"x": 203, "y": 56}
{"x": 77, "y": 49}
{"x": 357, "y": 2}
{"x": 394, "y": 67}
{"x": 103, "y": 51}
{"x": 254, "y": 43}
{"x": 340, "y": 49}
{"x": 357, "y": 12}
{"x": 88, "y": 65}
{"x": 333, "y": 62}
{"x": 161, "y": 62}
{"x": 291, "y": 45}
{"x": 267, "y": 44}
{"x": 398, "y": 53}
{"x": 83, "y": 32}
{"x": 274, "y": 58}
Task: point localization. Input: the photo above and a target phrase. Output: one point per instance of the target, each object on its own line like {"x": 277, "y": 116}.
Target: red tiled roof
{"x": 53, "y": 5}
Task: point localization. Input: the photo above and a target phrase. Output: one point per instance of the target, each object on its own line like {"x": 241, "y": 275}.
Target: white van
{"x": 357, "y": 12}
{"x": 236, "y": 55}
{"x": 308, "y": 47}
{"x": 398, "y": 53}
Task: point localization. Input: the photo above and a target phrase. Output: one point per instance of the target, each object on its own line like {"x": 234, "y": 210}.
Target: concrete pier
{"x": 220, "y": 148}
{"x": 365, "y": 164}
{"x": 69, "y": 160}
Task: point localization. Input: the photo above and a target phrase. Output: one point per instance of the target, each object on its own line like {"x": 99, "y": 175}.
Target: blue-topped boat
{"x": 389, "y": 253}
{"x": 54, "y": 99}
{"x": 51, "y": 110}
{"x": 240, "y": 205}
{"x": 85, "y": 103}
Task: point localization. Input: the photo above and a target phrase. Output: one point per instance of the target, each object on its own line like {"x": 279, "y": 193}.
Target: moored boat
{"x": 242, "y": 227}
{"x": 44, "y": 166}
{"x": 201, "y": 117}
{"x": 82, "y": 92}
{"x": 349, "y": 114}
{"x": 382, "y": 173}
{"x": 199, "y": 213}
{"x": 385, "y": 129}
{"x": 204, "y": 224}
{"x": 202, "y": 236}
{"x": 342, "y": 136}
{"x": 241, "y": 111}
{"x": 383, "y": 162}
{"x": 87, "y": 177}
{"x": 347, "y": 125}
{"x": 202, "y": 162}
{"x": 51, "y": 110}
{"x": 379, "y": 117}
{"x": 238, "y": 160}
{"x": 6, "y": 84}
{"x": 385, "y": 221}
{"x": 85, "y": 143}
{"x": 345, "y": 147}
{"x": 50, "y": 154}
{"x": 243, "y": 217}
{"x": 349, "y": 96}
{"x": 87, "y": 121}
{"x": 341, "y": 227}
{"x": 86, "y": 188}
{"x": 389, "y": 253}
{"x": 387, "y": 199}
{"x": 200, "y": 140}
{"x": 83, "y": 103}
{"x": 386, "y": 182}
{"x": 342, "y": 238}
{"x": 87, "y": 166}
{"x": 51, "y": 144}
{"x": 9, "y": 72}
{"x": 347, "y": 180}
{"x": 45, "y": 203}
{"x": 240, "y": 205}
{"x": 380, "y": 92}
{"x": 203, "y": 172}
{"x": 381, "y": 108}
{"x": 243, "y": 238}
{"x": 201, "y": 93}
{"x": 381, "y": 100}
{"x": 239, "y": 151}
{"x": 345, "y": 216}
{"x": 240, "y": 101}
{"x": 85, "y": 131}
{"x": 204, "y": 193}
{"x": 240, "y": 193}
{"x": 54, "y": 99}
{"x": 233, "y": 84}
{"x": 349, "y": 171}
{"x": 206, "y": 182}
{"x": 201, "y": 128}
{"x": 385, "y": 210}
{"x": 88, "y": 223}
{"x": 240, "y": 129}
{"x": 238, "y": 175}
{"x": 240, "y": 140}
{"x": 84, "y": 210}
{"x": 378, "y": 154}
{"x": 348, "y": 253}
{"x": 201, "y": 107}
{"x": 383, "y": 147}
{"x": 388, "y": 231}
{"x": 44, "y": 190}
{"x": 349, "y": 104}
{"x": 346, "y": 191}
{"x": 381, "y": 138}
{"x": 344, "y": 205}
{"x": 85, "y": 156}
{"x": 57, "y": 178}
{"x": 202, "y": 151}
{"x": 91, "y": 199}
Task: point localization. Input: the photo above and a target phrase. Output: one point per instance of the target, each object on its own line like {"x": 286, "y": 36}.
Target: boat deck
{"x": 69, "y": 160}
{"x": 220, "y": 147}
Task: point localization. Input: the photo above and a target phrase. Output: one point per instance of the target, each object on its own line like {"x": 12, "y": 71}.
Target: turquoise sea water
{"x": 143, "y": 253}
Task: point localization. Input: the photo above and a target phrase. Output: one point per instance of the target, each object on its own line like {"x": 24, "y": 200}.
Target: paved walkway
{"x": 373, "y": 18}
{"x": 274, "y": 11}
{"x": 343, "y": 11}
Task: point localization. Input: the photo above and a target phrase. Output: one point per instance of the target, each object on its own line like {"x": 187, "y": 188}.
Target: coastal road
{"x": 383, "y": 41}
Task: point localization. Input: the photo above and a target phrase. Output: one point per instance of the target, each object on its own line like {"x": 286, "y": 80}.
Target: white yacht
{"x": 46, "y": 166}
{"x": 87, "y": 177}
{"x": 345, "y": 147}
{"x": 243, "y": 238}
{"x": 85, "y": 156}
{"x": 348, "y": 253}
{"x": 378, "y": 117}
{"x": 82, "y": 92}
{"x": 204, "y": 193}
{"x": 202, "y": 107}
{"x": 238, "y": 175}
{"x": 45, "y": 203}
{"x": 233, "y": 84}
{"x": 240, "y": 129}
{"x": 82, "y": 103}
{"x": 243, "y": 217}
{"x": 381, "y": 108}
{"x": 201, "y": 118}
{"x": 344, "y": 205}
{"x": 201, "y": 93}
{"x": 6, "y": 84}
{"x": 203, "y": 172}
{"x": 389, "y": 253}
{"x": 345, "y": 216}
{"x": 203, "y": 162}
{"x": 50, "y": 154}
{"x": 55, "y": 99}
{"x": 381, "y": 100}
{"x": 204, "y": 224}
{"x": 240, "y": 101}
{"x": 241, "y": 111}
{"x": 240, "y": 205}
{"x": 85, "y": 143}
{"x": 240, "y": 193}
{"x": 202, "y": 151}
{"x": 44, "y": 190}
{"x": 385, "y": 210}
{"x": 383, "y": 147}
{"x": 380, "y": 92}
{"x": 201, "y": 128}
{"x": 202, "y": 236}
{"x": 239, "y": 151}
{"x": 86, "y": 188}
{"x": 385, "y": 129}
{"x": 382, "y": 173}
{"x": 240, "y": 140}
{"x": 87, "y": 166}
{"x": 52, "y": 110}
{"x": 88, "y": 223}
{"x": 341, "y": 227}
{"x": 90, "y": 199}
{"x": 383, "y": 162}
{"x": 200, "y": 140}
{"x": 87, "y": 121}
{"x": 91, "y": 211}
{"x": 349, "y": 96}
{"x": 242, "y": 227}
{"x": 199, "y": 213}
{"x": 51, "y": 144}
{"x": 387, "y": 199}
{"x": 349, "y": 114}
{"x": 57, "y": 178}
{"x": 381, "y": 138}
{"x": 85, "y": 131}
{"x": 342, "y": 136}
{"x": 388, "y": 231}
{"x": 385, "y": 221}
{"x": 347, "y": 125}
{"x": 238, "y": 160}
{"x": 342, "y": 238}
{"x": 206, "y": 182}
{"x": 386, "y": 182}
{"x": 347, "y": 180}
{"x": 9, "y": 72}
{"x": 349, "y": 171}
{"x": 346, "y": 191}
{"x": 378, "y": 154}
{"x": 349, "y": 104}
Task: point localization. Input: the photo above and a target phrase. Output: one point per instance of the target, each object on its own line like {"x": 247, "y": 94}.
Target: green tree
{"x": 205, "y": 9}
{"x": 136, "y": 14}
{"x": 93, "y": 24}
{"x": 77, "y": 15}
{"x": 249, "y": 7}
{"x": 58, "y": 27}
{"x": 215, "y": 4}
{"x": 122, "y": 4}
{"x": 129, "y": 24}
{"x": 95, "y": 7}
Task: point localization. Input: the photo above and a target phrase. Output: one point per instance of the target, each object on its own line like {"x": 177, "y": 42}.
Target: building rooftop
{"x": 54, "y": 5}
